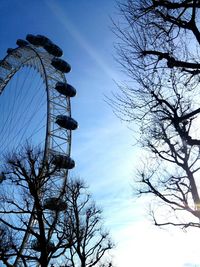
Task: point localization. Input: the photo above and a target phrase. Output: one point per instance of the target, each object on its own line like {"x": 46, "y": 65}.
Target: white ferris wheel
{"x": 35, "y": 108}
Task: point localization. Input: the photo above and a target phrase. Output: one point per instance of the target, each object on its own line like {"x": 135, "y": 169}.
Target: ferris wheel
{"x": 35, "y": 106}
{"x": 35, "y": 99}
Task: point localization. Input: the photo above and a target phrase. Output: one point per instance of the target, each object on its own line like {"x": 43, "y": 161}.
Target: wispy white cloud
{"x": 81, "y": 40}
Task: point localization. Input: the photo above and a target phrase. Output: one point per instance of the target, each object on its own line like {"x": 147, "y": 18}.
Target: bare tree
{"x": 6, "y": 244}
{"x": 31, "y": 205}
{"x": 44, "y": 221}
{"x": 85, "y": 227}
{"x": 158, "y": 48}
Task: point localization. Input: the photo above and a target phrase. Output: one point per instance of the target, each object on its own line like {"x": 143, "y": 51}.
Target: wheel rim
{"x": 57, "y": 140}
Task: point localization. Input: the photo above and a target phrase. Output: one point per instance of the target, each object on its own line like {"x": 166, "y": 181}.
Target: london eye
{"x": 35, "y": 108}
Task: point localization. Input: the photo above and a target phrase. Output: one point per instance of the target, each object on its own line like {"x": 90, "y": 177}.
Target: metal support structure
{"x": 57, "y": 139}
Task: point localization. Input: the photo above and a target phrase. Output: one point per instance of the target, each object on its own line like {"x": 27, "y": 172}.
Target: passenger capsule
{"x": 14, "y": 53}
{"x": 65, "y": 89}
{"x": 66, "y": 122}
{"x": 31, "y": 39}
{"x": 21, "y": 43}
{"x": 53, "y": 49}
{"x": 54, "y": 203}
{"x": 63, "y": 162}
{"x": 37, "y": 39}
{"x": 10, "y": 50}
{"x": 60, "y": 65}
{"x": 42, "y": 40}
{"x": 4, "y": 64}
{"x": 34, "y": 39}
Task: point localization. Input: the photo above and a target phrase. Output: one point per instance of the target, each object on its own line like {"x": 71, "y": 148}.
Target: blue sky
{"x": 103, "y": 146}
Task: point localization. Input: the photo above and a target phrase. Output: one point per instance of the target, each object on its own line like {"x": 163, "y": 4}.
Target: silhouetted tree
{"x": 6, "y": 244}
{"x": 42, "y": 220}
{"x": 30, "y": 231}
{"x": 159, "y": 45}
{"x": 85, "y": 227}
